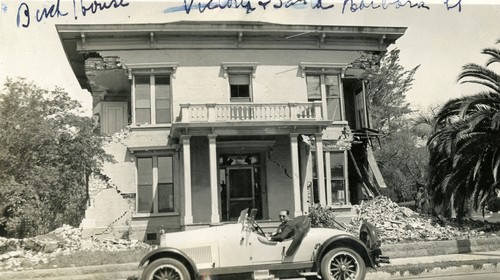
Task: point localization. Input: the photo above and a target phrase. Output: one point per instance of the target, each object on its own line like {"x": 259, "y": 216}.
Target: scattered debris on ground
{"x": 400, "y": 224}
{"x": 18, "y": 254}
{"x": 395, "y": 224}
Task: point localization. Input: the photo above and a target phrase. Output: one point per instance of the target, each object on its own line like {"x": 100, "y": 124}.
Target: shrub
{"x": 322, "y": 217}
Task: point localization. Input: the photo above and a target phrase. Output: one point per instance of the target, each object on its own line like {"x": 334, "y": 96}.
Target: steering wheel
{"x": 257, "y": 228}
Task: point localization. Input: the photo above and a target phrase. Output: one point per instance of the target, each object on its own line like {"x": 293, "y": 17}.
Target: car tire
{"x": 166, "y": 268}
{"x": 342, "y": 263}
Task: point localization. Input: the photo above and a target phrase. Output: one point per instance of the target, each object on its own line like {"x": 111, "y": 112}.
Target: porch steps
{"x": 263, "y": 275}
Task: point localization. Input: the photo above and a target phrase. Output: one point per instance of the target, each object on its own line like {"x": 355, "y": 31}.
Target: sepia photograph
{"x": 249, "y": 139}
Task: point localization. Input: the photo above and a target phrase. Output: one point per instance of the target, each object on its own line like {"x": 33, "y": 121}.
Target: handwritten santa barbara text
{"x": 27, "y": 15}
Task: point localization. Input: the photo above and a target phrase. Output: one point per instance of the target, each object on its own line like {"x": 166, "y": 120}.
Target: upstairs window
{"x": 152, "y": 96}
{"x": 325, "y": 88}
{"x": 313, "y": 87}
{"x": 333, "y": 101}
{"x": 240, "y": 87}
{"x": 324, "y": 84}
{"x": 239, "y": 75}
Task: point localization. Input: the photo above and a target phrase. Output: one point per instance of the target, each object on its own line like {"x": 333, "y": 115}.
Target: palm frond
{"x": 495, "y": 55}
{"x": 495, "y": 165}
{"x": 495, "y": 121}
{"x": 464, "y": 147}
{"x": 480, "y": 75}
{"x": 482, "y": 99}
{"x": 449, "y": 110}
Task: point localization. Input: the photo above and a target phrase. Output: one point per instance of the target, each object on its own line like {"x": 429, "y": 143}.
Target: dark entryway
{"x": 240, "y": 181}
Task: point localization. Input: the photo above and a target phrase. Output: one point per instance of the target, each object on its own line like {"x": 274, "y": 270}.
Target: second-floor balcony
{"x": 251, "y": 112}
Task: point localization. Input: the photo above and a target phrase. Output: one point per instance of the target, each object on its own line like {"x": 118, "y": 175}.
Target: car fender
{"x": 168, "y": 252}
{"x": 343, "y": 240}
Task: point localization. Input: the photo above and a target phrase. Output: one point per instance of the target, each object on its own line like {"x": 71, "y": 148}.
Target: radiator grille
{"x": 200, "y": 254}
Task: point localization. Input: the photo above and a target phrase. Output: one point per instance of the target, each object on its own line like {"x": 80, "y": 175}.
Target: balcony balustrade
{"x": 237, "y": 112}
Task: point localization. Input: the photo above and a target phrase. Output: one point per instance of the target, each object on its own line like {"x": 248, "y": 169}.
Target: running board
{"x": 263, "y": 275}
{"x": 309, "y": 274}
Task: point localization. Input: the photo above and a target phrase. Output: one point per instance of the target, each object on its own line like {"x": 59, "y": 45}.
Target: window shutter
{"x": 239, "y": 79}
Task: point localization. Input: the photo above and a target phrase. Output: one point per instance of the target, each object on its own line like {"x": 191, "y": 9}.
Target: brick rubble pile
{"x": 400, "y": 224}
{"x": 17, "y": 254}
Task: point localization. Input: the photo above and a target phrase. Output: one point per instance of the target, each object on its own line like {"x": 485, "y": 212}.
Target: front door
{"x": 241, "y": 193}
{"x": 240, "y": 181}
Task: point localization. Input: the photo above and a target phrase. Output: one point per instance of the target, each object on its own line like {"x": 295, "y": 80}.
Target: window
{"x": 240, "y": 76}
{"x": 333, "y": 105}
{"x": 240, "y": 87}
{"x": 337, "y": 166}
{"x": 325, "y": 87}
{"x": 152, "y": 99}
{"x": 155, "y": 187}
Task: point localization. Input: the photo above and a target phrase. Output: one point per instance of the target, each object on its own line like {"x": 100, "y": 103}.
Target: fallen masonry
{"x": 396, "y": 224}
{"x": 19, "y": 254}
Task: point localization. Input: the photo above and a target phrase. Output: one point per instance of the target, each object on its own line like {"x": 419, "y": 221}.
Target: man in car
{"x": 285, "y": 230}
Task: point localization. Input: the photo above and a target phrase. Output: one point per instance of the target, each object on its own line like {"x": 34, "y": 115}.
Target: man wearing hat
{"x": 284, "y": 230}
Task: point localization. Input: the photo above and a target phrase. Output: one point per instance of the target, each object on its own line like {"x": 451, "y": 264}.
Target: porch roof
{"x": 249, "y": 128}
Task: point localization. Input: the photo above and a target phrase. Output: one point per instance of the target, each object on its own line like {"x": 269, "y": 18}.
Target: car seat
{"x": 301, "y": 226}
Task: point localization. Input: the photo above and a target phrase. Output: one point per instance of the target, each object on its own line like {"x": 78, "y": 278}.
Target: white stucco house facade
{"x": 221, "y": 116}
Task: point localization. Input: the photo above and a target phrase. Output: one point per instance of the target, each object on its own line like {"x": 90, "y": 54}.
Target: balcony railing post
{"x": 185, "y": 112}
{"x": 318, "y": 112}
{"x": 211, "y": 112}
{"x": 293, "y": 110}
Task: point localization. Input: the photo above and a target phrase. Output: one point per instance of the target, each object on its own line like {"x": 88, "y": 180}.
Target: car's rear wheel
{"x": 166, "y": 269}
{"x": 342, "y": 263}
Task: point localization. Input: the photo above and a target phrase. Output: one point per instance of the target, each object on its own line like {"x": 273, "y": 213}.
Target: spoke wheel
{"x": 342, "y": 264}
{"x": 166, "y": 269}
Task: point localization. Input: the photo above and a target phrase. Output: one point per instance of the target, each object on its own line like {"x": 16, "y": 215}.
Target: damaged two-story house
{"x": 222, "y": 116}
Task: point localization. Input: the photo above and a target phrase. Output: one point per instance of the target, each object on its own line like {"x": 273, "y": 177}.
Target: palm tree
{"x": 465, "y": 142}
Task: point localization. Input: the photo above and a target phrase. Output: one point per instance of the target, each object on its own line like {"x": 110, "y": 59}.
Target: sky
{"x": 441, "y": 35}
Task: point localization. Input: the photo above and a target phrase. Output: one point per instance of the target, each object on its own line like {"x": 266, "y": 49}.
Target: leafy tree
{"x": 403, "y": 164}
{"x": 465, "y": 144}
{"x": 47, "y": 151}
{"x": 387, "y": 93}
{"x": 401, "y": 159}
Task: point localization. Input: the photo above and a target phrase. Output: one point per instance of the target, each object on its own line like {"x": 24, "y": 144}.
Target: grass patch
{"x": 89, "y": 258}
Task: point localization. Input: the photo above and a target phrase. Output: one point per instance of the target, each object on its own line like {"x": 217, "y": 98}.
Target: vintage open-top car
{"x": 238, "y": 250}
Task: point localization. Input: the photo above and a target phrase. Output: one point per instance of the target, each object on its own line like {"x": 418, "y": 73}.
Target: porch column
{"x": 320, "y": 168}
{"x": 306, "y": 182}
{"x": 328, "y": 180}
{"x": 294, "y": 152}
{"x": 214, "y": 189}
{"x": 186, "y": 159}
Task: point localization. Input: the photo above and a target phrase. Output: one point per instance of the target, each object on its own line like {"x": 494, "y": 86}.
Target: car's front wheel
{"x": 342, "y": 263}
{"x": 166, "y": 269}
